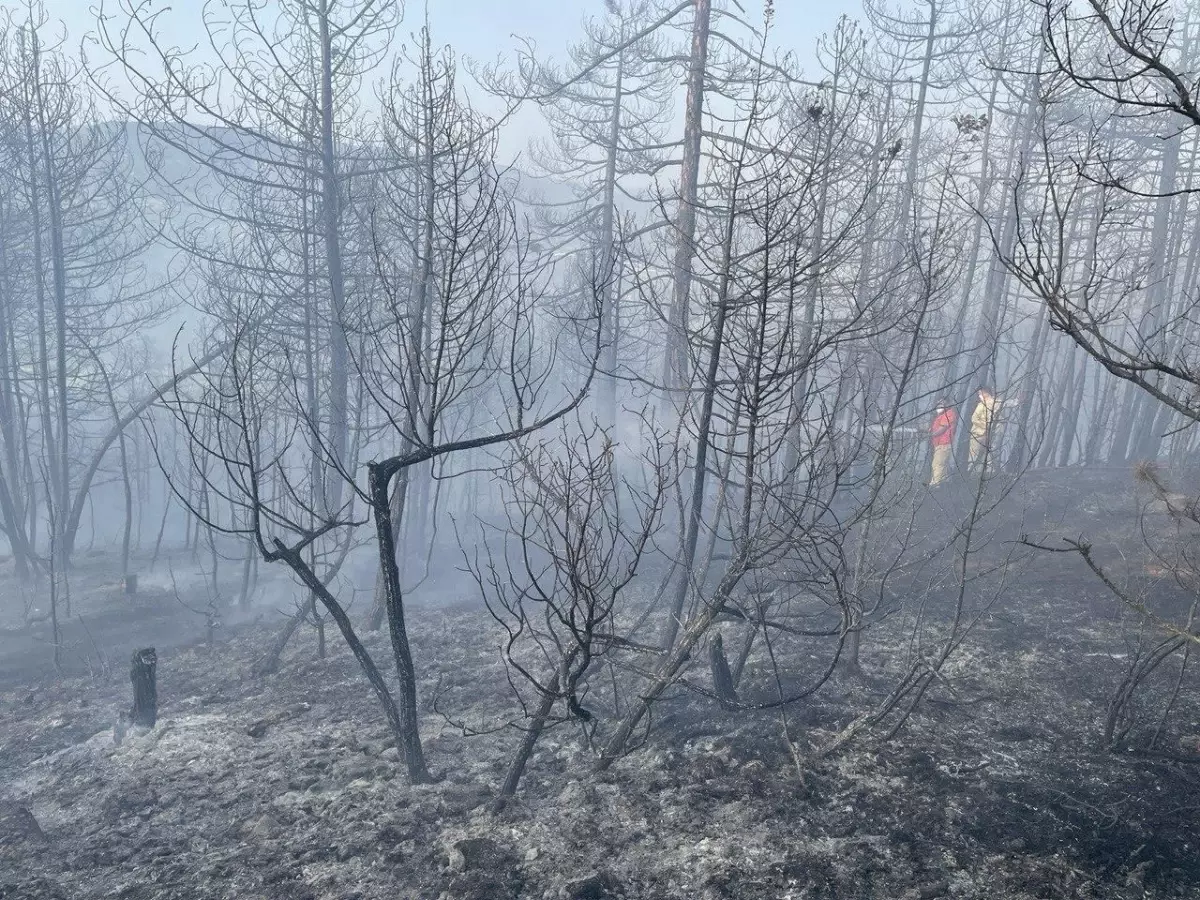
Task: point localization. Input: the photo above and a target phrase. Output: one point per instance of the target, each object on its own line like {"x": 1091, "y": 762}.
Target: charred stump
{"x": 723, "y": 683}
{"x": 17, "y": 824}
{"x": 145, "y": 689}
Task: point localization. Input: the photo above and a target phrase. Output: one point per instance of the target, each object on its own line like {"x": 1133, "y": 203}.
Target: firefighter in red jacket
{"x": 941, "y": 433}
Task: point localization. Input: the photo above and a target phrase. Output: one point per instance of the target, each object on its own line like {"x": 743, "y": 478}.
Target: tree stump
{"x": 18, "y": 824}
{"x": 145, "y": 690}
{"x": 722, "y": 677}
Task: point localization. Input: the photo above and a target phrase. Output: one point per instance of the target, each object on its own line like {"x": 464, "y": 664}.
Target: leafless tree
{"x": 279, "y": 161}
{"x": 608, "y": 108}
{"x": 558, "y": 579}
{"x": 486, "y": 334}
{"x": 75, "y": 228}
{"x": 753, "y": 513}
{"x": 1119, "y": 73}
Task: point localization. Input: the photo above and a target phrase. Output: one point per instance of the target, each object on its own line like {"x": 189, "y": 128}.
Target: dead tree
{"x": 263, "y": 472}
{"x": 280, "y": 154}
{"x": 76, "y": 258}
{"x": 558, "y": 582}
{"x": 764, "y": 498}
{"x": 607, "y": 106}
{"x": 440, "y": 227}
{"x": 1128, "y": 64}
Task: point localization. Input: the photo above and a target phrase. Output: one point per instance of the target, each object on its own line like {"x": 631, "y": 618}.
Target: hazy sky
{"x": 484, "y": 29}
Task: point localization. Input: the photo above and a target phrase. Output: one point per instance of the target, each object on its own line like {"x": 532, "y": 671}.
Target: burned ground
{"x": 288, "y": 786}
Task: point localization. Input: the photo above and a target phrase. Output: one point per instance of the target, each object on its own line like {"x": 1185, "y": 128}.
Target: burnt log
{"x": 145, "y": 688}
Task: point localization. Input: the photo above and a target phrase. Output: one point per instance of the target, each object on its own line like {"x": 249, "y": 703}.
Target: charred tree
{"x": 143, "y": 675}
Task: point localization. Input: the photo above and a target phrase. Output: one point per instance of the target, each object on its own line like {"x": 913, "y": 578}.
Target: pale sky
{"x": 485, "y": 29}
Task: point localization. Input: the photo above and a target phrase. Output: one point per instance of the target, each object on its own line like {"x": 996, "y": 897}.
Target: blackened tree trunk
{"x": 410, "y": 747}
{"x": 296, "y": 562}
{"x": 723, "y": 683}
{"x": 516, "y": 768}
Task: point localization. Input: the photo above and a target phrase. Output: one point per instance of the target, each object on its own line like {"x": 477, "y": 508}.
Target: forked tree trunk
{"x": 396, "y": 720}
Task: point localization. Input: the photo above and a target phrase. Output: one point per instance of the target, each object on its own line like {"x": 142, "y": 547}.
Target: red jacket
{"x": 942, "y": 429}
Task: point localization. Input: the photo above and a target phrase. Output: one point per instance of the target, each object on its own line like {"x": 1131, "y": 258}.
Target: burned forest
{"x": 601, "y": 450}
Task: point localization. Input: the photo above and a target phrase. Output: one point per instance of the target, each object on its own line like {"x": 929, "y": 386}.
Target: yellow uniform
{"x": 983, "y": 422}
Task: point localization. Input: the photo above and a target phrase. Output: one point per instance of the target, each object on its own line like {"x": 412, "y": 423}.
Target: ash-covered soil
{"x": 287, "y": 787}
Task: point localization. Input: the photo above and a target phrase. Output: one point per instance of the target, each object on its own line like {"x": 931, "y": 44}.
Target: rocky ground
{"x": 287, "y": 787}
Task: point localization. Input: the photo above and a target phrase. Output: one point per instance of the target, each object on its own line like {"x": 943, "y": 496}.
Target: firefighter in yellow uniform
{"x": 983, "y": 429}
